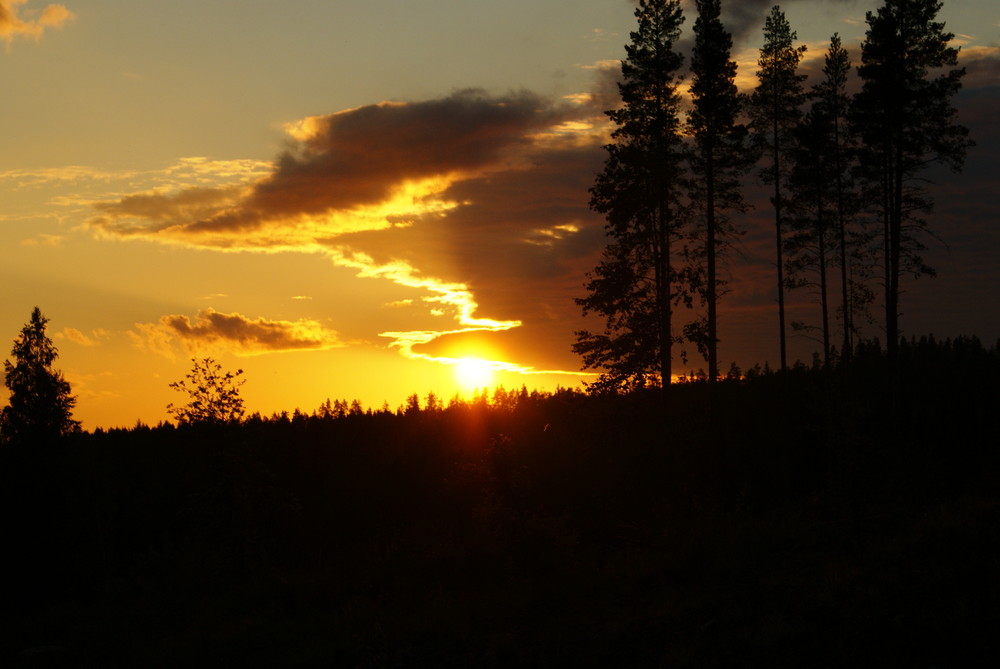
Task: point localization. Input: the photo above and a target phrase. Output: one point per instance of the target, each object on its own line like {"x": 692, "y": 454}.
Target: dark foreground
{"x": 823, "y": 520}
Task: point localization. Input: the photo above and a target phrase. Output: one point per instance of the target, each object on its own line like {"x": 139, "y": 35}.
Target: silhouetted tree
{"x": 213, "y": 396}
{"x": 40, "y": 406}
{"x": 776, "y": 106}
{"x": 809, "y": 220}
{"x": 822, "y": 223}
{"x": 907, "y": 122}
{"x": 635, "y": 287}
{"x": 856, "y": 263}
{"x": 719, "y": 158}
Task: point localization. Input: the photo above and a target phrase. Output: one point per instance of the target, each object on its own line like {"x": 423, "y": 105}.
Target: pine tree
{"x": 718, "y": 159}
{"x": 635, "y": 287}
{"x": 811, "y": 216}
{"x": 823, "y": 204}
{"x": 831, "y": 100}
{"x": 41, "y": 405}
{"x": 776, "y": 106}
{"x": 905, "y": 117}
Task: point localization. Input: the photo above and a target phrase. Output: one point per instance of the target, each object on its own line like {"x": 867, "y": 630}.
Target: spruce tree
{"x": 635, "y": 285}
{"x": 41, "y": 405}
{"x": 718, "y": 159}
{"x": 776, "y": 107}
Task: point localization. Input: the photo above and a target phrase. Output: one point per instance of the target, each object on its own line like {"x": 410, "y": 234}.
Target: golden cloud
{"x": 388, "y": 188}
{"x": 13, "y": 25}
{"x": 235, "y": 332}
{"x": 78, "y": 337}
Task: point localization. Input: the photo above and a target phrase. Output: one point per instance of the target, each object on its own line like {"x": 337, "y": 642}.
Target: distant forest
{"x": 821, "y": 521}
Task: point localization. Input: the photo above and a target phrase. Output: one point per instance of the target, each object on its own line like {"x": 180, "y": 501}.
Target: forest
{"x": 821, "y": 520}
{"x": 839, "y": 512}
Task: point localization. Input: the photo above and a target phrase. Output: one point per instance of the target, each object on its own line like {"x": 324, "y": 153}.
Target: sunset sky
{"x": 346, "y": 197}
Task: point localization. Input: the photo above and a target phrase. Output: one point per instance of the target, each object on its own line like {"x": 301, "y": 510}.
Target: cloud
{"x": 982, "y": 66}
{"x": 78, "y": 337}
{"x": 745, "y": 19}
{"x": 476, "y": 204}
{"x": 44, "y": 239}
{"x": 234, "y": 331}
{"x": 410, "y": 193}
{"x": 32, "y": 24}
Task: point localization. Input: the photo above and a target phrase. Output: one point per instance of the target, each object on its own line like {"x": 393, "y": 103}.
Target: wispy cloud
{"x": 44, "y": 239}
{"x": 17, "y": 21}
{"x": 78, "y": 337}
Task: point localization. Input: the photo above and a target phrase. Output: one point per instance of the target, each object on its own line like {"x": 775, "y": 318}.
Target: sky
{"x": 365, "y": 199}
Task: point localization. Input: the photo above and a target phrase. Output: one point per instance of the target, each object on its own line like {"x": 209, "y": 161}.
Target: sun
{"x": 473, "y": 373}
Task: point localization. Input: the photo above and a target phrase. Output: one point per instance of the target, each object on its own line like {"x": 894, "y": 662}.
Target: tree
{"x": 824, "y": 204}
{"x": 776, "y": 108}
{"x": 636, "y": 285}
{"x": 40, "y": 402}
{"x": 811, "y": 209}
{"x": 719, "y": 158}
{"x": 905, "y": 117}
{"x": 213, "y": 397}
{"x": 832, "y": 101}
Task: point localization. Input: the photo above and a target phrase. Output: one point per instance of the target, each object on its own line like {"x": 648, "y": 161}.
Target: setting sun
{"x": 473, "y": 373}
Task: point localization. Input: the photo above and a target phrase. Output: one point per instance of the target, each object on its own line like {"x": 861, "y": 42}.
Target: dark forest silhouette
{"x": 528, "y": 528}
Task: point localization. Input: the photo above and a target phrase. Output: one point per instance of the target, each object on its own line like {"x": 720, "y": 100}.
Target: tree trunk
{"x": 845, "y": 298}
{"x": 824, "y": 306}
{"x": 711, "y": 293}
{"x": 780, "y": 258}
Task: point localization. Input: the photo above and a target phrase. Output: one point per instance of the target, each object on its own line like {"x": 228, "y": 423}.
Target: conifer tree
{"x": 905, "y": 118}
{"x": 831, "y": 100}
{"x": 718, "y": 159}
{"x": 810, "y": 217}
{"x": 776, "y": 107}
{"x": 41, "y": 405}
{"x": 635, "y": 287}
{"x": 825, "y": 230}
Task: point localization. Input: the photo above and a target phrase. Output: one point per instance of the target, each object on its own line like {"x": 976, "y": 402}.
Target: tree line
{"x": 847, "y": 175}
{"x": 525, "y": 529}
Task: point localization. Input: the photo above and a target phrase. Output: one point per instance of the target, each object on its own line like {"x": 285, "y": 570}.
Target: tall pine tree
{"x": 635, "y": 286}
{"x": 832, "y": 103}
{"x": 776, "y": 107}
{"x": 718, "y": 159}
{"x": 907, "y": 122}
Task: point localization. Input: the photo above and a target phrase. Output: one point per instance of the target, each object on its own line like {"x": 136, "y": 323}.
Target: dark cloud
{"x": 246, "y": 335}
{"x": 347, "y": 160}
{"x": 982, "y": 68}
{"x": 744, "y": 19}
{"x": 149, "y": 213}
{"x": 358, "y": 157}
{"x": 522, "y": 242}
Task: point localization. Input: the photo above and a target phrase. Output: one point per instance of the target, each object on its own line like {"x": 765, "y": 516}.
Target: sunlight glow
{"x": 473, "y": 373}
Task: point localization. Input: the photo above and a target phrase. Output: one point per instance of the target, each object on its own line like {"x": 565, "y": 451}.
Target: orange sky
{"x": 346, "y": 199}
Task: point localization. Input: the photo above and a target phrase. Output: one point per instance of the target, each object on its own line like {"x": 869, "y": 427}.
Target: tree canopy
{"x": 213, "y": 396}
